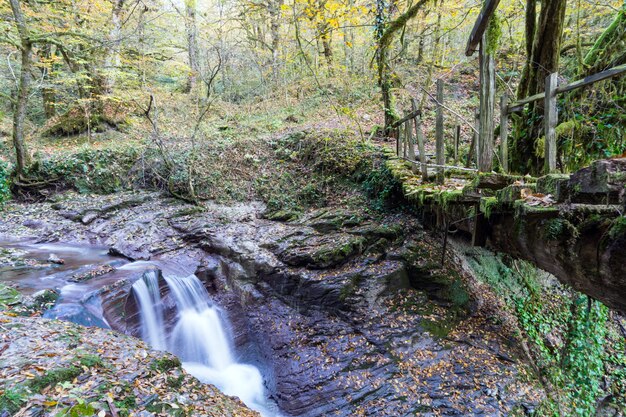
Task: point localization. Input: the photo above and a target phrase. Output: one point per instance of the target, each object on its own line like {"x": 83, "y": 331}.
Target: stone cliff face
{"x": 343, "y": 314}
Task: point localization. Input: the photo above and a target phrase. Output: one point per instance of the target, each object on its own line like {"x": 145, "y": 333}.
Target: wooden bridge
{"x": 573, "y": 226}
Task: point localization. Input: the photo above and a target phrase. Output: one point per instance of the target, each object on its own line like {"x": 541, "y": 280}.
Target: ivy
{"x": 5, "y": 190}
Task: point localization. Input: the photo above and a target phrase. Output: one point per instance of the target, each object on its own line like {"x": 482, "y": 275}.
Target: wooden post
{"x": 398, "y": 141}
{"x": 407, "y": 132}
{"x": 487, "y": 105}
{"x": 411, "y": 143}
{"x": 420, "y": 142}
{"x": 504, "y": 132}
{"x": 475, "y": 139}
{"x": 457, "y": 138}
{"x": 479, "y": 233}
{"x": 439, "y": 145}
{"x": 550, "y": 121}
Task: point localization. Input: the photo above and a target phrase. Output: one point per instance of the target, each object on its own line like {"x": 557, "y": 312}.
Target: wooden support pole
{"x": 550, "y": 122}
{"x": 411, "y": 141}
{"x": 474, "y": 144}
{"x": 479, "y": 233}
{"x": 420, "y": 141}
{"x": 439, "y": 145}
{"x": 487, "y": 105}
{"x": 504, "y": 132}
{"x": 405, "y": 140}
{"x": 398, "y": 141}
{"x": 457, "y": 139}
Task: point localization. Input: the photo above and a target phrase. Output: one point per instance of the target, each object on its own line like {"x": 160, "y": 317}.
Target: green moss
{"x": 488, "y": 205}
{"x": 618, "y": 228}
{"x": 447, "y": 197}
{"x": 90, "y": 360}
{"x": 560, "y": 229}
{"x": 494, "y": 33}
{"x": 54, "y": 376}
{"x": 165, "y": 363}
{"x": 554, "y": 184}
{"x": 8, "y": 296}
{"x": 331, "y": 254}
{"x": 11, "y": 400}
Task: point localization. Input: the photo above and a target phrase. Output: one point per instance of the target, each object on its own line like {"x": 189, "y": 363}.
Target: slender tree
{"x": 19, "y": 114}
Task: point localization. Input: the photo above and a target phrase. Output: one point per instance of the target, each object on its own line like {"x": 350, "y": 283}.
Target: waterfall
{"x": 148, "y": 295}
{"x": 199, "y": 337}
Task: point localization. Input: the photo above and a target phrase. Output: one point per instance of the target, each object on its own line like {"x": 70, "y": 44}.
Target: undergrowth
{"x": 573, "y": 341}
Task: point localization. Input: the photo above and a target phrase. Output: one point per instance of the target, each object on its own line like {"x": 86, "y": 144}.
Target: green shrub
{"x": 5, "y": 190}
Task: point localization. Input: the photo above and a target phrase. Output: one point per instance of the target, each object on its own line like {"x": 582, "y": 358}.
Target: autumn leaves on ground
{"x": 124, "y": 123}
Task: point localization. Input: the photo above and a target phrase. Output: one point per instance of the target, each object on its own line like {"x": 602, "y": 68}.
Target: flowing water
{"x": 200, "y": 337}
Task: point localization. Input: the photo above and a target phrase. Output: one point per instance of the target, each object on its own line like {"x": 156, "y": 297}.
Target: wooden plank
{"x": 479, "y": 234}
{"x": 439, "y": 145}
{"x": 487, "y": 106}
{"x": 405, "y": 139}
{"x": 592, "y": 79}
{"x": 409, "y": 116}
{"x": 481, "y": 26}
{"x": 445, "y": 166}
{"x": 457, "y": 139}
{"x": 550, "y": 121}
{"x": 474, "y": 143}
{"x": 504, "y": 133}
{"x": 411, "y": 143}
{"x": 601, "y": 76}
{"x": 420, "y": 141}
{"x": 398, "y": 142}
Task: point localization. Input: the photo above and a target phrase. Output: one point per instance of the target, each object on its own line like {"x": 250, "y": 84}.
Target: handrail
{"x": 591, "y": 79}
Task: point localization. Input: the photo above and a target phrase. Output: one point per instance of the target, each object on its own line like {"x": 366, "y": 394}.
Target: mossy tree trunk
{"x": 543, "y": 60}
{"x": 384, "y": 36}
{"x": 19, "y": 114}
{"x": 191, "y": 27}
{"x": 610, "y": 48}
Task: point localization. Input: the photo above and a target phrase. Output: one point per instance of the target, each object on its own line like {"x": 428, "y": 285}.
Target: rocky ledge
{"x": 343, "y": 312}
{"x": 52, "y": 368}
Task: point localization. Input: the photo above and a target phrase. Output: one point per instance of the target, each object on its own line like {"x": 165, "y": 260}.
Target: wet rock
{"x": 328, "y": 220}
{"x": 55, "y": 259}
{"x": 320, "y": 251}
{"x": 41, "y": 300}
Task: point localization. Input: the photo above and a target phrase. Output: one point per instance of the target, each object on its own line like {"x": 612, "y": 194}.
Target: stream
{"x": 323, "y": 316}
{"x": 198, "y": 332}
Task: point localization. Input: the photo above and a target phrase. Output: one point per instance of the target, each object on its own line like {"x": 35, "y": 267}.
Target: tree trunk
{"x": 192, "y": 44}
{"x": 274, "y": 12}
{"x": 544, "y": 60}
{"x": 19, "y": 115}
{"x": 531, "y": 26}
{"x": 47, "y": 91}
{"x": 112, "y": 59}
{"x": 606, "y": 50}
{"x": 328, "y": 52}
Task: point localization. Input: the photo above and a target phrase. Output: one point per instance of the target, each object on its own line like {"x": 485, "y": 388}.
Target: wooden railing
{"x": 551, "y": 118}
{"x": 409, "y": 128}
{"x": 405, "y": 144}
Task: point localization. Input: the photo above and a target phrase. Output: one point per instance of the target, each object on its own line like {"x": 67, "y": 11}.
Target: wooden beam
{"x": 504, "y": 133}
{"x": 411, "y": 142}
{"x": 592, "y": 79}
{"x": 420, "y": 141}
{"x": 457, "y": 139}
{"x": 550, "y": 120}
{"x": 481, "y": 26}
{"x": 487, "y": 107}
{"x": 439, "y": 145}
{"x": 409, "y": 116}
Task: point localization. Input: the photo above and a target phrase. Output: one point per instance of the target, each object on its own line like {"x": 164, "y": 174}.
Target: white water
{"x": 199, "y": 338}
